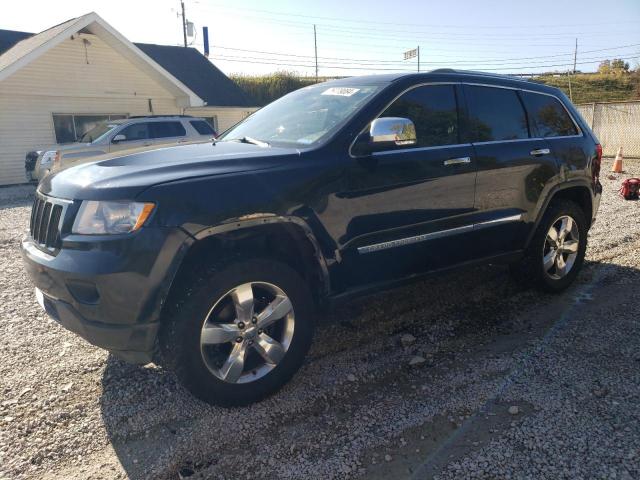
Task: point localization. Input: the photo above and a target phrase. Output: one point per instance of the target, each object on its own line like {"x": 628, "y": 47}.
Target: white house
{"x": 58, "y": 83}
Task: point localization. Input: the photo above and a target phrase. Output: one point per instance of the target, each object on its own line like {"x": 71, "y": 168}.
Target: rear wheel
{"x": 238, "y": 334}
{"x": 556, "y": 252}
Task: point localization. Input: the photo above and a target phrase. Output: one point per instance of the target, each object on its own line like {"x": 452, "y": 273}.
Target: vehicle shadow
{"x": 156, "y": 428}
{"x": 16, "y": 196}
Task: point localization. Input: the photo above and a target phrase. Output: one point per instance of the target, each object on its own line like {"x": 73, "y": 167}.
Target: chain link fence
{"x": 616, "y": 124}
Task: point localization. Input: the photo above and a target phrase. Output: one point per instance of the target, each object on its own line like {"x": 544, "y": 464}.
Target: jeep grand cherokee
{"x": 211, "y": 259}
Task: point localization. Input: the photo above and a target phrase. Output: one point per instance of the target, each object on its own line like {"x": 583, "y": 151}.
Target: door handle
{"x": 540, "y": 152}
{"x": 457, "y": 161}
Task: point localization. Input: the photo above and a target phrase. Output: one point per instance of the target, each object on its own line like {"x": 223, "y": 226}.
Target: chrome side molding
{"x": 376, "y": 247}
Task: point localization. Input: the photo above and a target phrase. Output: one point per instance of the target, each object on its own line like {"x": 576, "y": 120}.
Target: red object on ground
{"x": 630, "y": 189}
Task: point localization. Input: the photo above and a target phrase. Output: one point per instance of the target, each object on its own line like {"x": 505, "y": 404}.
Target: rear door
{"x": 167, "y": 132}
{"x": 513, "y": 168}
{"x": 203, "y": 128}
{"x": 552, "y": 122}
{"x": 406, "y": 210}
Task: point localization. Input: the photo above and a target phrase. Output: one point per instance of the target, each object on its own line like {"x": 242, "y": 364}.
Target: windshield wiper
{"x": 253, "y": 141}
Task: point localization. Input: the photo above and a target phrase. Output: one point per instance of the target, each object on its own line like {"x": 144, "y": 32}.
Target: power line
{"x": 360, "y": 21}
{"x": 401, "y": 64}
{"x": 361, "y": 34}
{"x": 432, "y": 38}
{"x": 250, "y": 60}
{"x": 431, "y": 33}
{"x": 335, "y": 38}
{"x": 458, "y": 62}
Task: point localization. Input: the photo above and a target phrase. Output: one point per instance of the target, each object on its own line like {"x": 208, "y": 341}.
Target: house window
{"x": 70, "y": 127}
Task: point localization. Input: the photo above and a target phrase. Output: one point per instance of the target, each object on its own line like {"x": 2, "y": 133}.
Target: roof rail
{"x": 478, "y": 73}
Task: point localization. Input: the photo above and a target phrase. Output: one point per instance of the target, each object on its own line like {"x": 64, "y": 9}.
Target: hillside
{"x": 585, "y": 87}
{"x": 596, "y": 87}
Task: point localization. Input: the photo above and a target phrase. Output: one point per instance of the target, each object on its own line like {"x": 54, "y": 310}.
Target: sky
{"x": 361, "y": 37}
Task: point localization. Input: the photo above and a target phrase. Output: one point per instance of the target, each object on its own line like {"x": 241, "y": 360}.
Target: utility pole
{"x": 315, "y": 46}
{"x": 575, "y": 57}
{"x": 418, "y": 58}
{"x": 184, "y": 25}
{"x": 570, "y": 92}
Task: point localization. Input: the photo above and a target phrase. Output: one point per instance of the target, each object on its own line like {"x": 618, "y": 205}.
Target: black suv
{"x": 211, "y": 259}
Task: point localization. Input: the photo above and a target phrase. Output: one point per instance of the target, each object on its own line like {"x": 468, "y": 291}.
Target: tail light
{"x": 595, "y": 168}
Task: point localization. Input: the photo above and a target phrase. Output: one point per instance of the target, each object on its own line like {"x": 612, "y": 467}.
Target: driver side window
{"x": 137, "y": 131}
{"x": 433, "y": 110}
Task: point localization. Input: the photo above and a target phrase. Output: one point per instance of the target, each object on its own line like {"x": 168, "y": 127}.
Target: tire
{"x": 531, "y": 269}
{"x": 214, "y": 303}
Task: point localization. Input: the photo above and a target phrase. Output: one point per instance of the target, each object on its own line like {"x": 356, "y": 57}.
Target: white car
{"x": 115, "y": 135}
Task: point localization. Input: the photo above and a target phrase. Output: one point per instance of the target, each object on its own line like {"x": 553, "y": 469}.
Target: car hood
{"x": 67, "y": 147}
{"x": 126, "y": 174}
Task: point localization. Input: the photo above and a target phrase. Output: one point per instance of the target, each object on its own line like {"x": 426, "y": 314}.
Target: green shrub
{"x": 267, "y": 88}
{"x": 596, "y": 87}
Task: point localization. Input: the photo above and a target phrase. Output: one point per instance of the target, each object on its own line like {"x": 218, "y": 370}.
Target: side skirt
{"x": 344, "y": 297}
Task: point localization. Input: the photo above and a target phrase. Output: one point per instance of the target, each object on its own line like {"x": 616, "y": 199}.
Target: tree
{"x": 617, "y": 65}
{"x": 604, "y": 67}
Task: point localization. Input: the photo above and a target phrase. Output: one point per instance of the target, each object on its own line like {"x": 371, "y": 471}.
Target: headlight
{"x": 100, "y": 218}
{"x": 48, "y": 157}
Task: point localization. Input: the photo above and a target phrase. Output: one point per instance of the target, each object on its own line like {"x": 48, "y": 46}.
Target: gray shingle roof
{"x": 186, "y": 64}
{"x": 194, "y": 70}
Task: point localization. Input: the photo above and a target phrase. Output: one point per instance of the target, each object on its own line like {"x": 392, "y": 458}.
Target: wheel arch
{"x": 577, "y": 192}
{"x": 286, "y": 239}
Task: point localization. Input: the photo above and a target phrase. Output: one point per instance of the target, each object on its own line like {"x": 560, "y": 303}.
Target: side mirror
{"x": 385, "y": 133}
{"x": 392, "y": 131}
{"x": 118, "y": 138}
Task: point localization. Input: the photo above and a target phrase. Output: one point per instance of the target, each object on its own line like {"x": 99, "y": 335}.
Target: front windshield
{"x": 303, "y": 117}
{"x": 98, "y": 131}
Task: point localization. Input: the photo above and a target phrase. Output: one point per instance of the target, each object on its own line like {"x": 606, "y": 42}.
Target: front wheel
{"x": 239, "y": 333}
{"x": 556, "y": 252}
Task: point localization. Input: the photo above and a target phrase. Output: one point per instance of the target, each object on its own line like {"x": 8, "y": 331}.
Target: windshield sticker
{"x": 341, "y": 91}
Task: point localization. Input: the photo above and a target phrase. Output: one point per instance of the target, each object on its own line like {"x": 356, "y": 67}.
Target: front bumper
{"x": 110, "y": 291}
{"x": 132, "y": 343}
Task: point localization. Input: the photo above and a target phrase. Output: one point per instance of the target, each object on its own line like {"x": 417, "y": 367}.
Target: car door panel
{"x": 390, "y": 216}
{"x": 137, "y": 135}
{"x": 509, "y": 182}
{"x": 512, "y": 168}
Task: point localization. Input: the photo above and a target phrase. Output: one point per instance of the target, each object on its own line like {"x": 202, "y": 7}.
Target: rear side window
{"x": 167, "y": 129}
{"x": 202, "y": 127}
{"x": 496, "y": 114}
{"x": 137, "y": 131}
{"x": 433, "y": 110}
{"x": 548, "y": 115}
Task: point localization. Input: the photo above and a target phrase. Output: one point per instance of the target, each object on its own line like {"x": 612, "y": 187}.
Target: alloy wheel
{"x": 247, "y": 332}
{"x": 561, "y": 247}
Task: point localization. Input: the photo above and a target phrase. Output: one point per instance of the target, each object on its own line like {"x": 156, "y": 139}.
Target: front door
{"x": 135, "y": 135}
{"x": 406, "y": 210}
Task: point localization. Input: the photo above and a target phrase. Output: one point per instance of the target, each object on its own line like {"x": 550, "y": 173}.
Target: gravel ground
{"x": 420, "y": 382}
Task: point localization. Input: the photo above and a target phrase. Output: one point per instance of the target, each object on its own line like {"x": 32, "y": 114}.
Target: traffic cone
{"x": 617, "y": 163}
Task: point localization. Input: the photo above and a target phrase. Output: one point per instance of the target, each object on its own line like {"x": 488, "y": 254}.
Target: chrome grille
{"x": 45, "y": 223}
